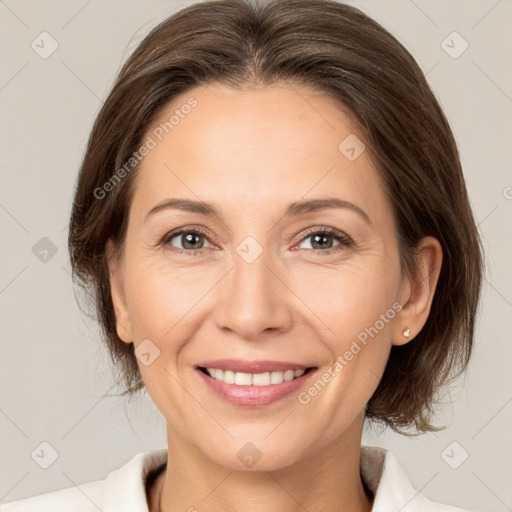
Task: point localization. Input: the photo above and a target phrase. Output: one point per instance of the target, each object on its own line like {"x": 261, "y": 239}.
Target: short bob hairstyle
{"x": 338, "y": 50}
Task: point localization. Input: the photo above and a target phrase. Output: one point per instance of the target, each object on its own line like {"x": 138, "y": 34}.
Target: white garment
{"x": 123, "y": 490}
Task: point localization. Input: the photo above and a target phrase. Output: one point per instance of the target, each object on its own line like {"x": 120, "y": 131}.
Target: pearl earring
{"x": 406, "y": 332}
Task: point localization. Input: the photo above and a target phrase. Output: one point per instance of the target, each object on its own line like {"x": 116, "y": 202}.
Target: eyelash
{"x": 345, "y": 241}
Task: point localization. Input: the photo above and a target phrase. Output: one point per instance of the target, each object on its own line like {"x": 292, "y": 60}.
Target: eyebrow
{"x": 294, "y": 209}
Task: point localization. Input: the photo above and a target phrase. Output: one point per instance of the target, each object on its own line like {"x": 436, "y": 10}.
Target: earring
{"x": 406, "y": 332}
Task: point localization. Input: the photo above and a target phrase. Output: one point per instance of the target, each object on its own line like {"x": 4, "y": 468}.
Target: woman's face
{"x": 264, "y": 283}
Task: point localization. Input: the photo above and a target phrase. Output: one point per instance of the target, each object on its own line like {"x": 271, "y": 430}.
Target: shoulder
{"x": 123, "y": 489}
{"x": 83, "y": 499}
{"x": 391, "y": 487}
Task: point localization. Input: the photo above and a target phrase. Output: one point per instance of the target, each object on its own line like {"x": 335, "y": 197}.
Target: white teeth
{"x": 243, "y": 379}
{"x": 260, "y": 379}
{"x": 276, "y": 377}
{"x": 229, "y": 377}
{"x": 255, "y": 379}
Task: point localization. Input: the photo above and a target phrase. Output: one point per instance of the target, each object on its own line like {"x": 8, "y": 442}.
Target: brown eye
{"x": 325, "y": 239}
{"x": 190, "y": 240}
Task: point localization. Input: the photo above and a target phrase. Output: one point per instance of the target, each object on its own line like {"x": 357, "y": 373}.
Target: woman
{"x": 336, "y": 271}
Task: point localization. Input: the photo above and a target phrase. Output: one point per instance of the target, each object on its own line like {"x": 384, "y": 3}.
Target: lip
{"x": 254, "y": 396}
{"x": 239, "y": 365}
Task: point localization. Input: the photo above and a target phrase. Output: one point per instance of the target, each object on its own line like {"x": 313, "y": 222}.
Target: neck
{"x": 326, "y": 479}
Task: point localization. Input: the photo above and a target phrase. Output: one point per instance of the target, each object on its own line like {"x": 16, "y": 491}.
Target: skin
{"x": 251, "y": 152}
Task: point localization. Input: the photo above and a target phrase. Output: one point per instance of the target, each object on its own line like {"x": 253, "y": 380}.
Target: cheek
{"x": 163, "y": 302}
{"x": 352, "y": 296}
{"x": 160, "y": 295}
{"x": 358, "y": 317}
{"x": 357, "y": 306}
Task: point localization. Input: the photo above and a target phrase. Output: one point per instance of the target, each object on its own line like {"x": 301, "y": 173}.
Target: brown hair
{"x": 336, "y": 49}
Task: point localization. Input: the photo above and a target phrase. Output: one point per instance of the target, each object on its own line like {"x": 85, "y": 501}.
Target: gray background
{"x": 55, "y": 377}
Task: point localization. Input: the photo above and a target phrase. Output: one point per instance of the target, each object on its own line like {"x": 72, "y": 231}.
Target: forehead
{"x": 263, "y": 147}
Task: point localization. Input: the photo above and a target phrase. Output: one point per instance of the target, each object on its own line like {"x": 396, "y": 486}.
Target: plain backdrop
{"x": 55, "y": 377}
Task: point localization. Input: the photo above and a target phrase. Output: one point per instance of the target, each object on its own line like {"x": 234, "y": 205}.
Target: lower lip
{"x": 254, "y": 396}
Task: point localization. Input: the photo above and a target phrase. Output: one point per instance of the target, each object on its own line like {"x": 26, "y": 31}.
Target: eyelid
{"x": 180, "y": 231}
{"x": 325, "y": 229}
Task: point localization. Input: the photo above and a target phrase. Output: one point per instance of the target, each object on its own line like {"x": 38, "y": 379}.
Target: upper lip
{"x": 239, "y": 365}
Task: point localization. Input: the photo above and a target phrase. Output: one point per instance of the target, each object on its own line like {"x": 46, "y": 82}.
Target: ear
{"x": 417, "y": 292}
{"x": 123, "y": 323}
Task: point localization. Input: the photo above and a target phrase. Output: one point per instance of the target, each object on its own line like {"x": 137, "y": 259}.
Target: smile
{"x": 253, "y": 379}
{"x": 257, "y": 388}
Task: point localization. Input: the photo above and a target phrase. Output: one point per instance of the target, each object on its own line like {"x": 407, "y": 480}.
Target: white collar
{"x": 380, "y": 470}
{"x": 124, "y": 489}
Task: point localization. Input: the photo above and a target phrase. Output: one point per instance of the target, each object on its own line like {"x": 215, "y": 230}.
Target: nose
{"x": 255, "y": 299}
